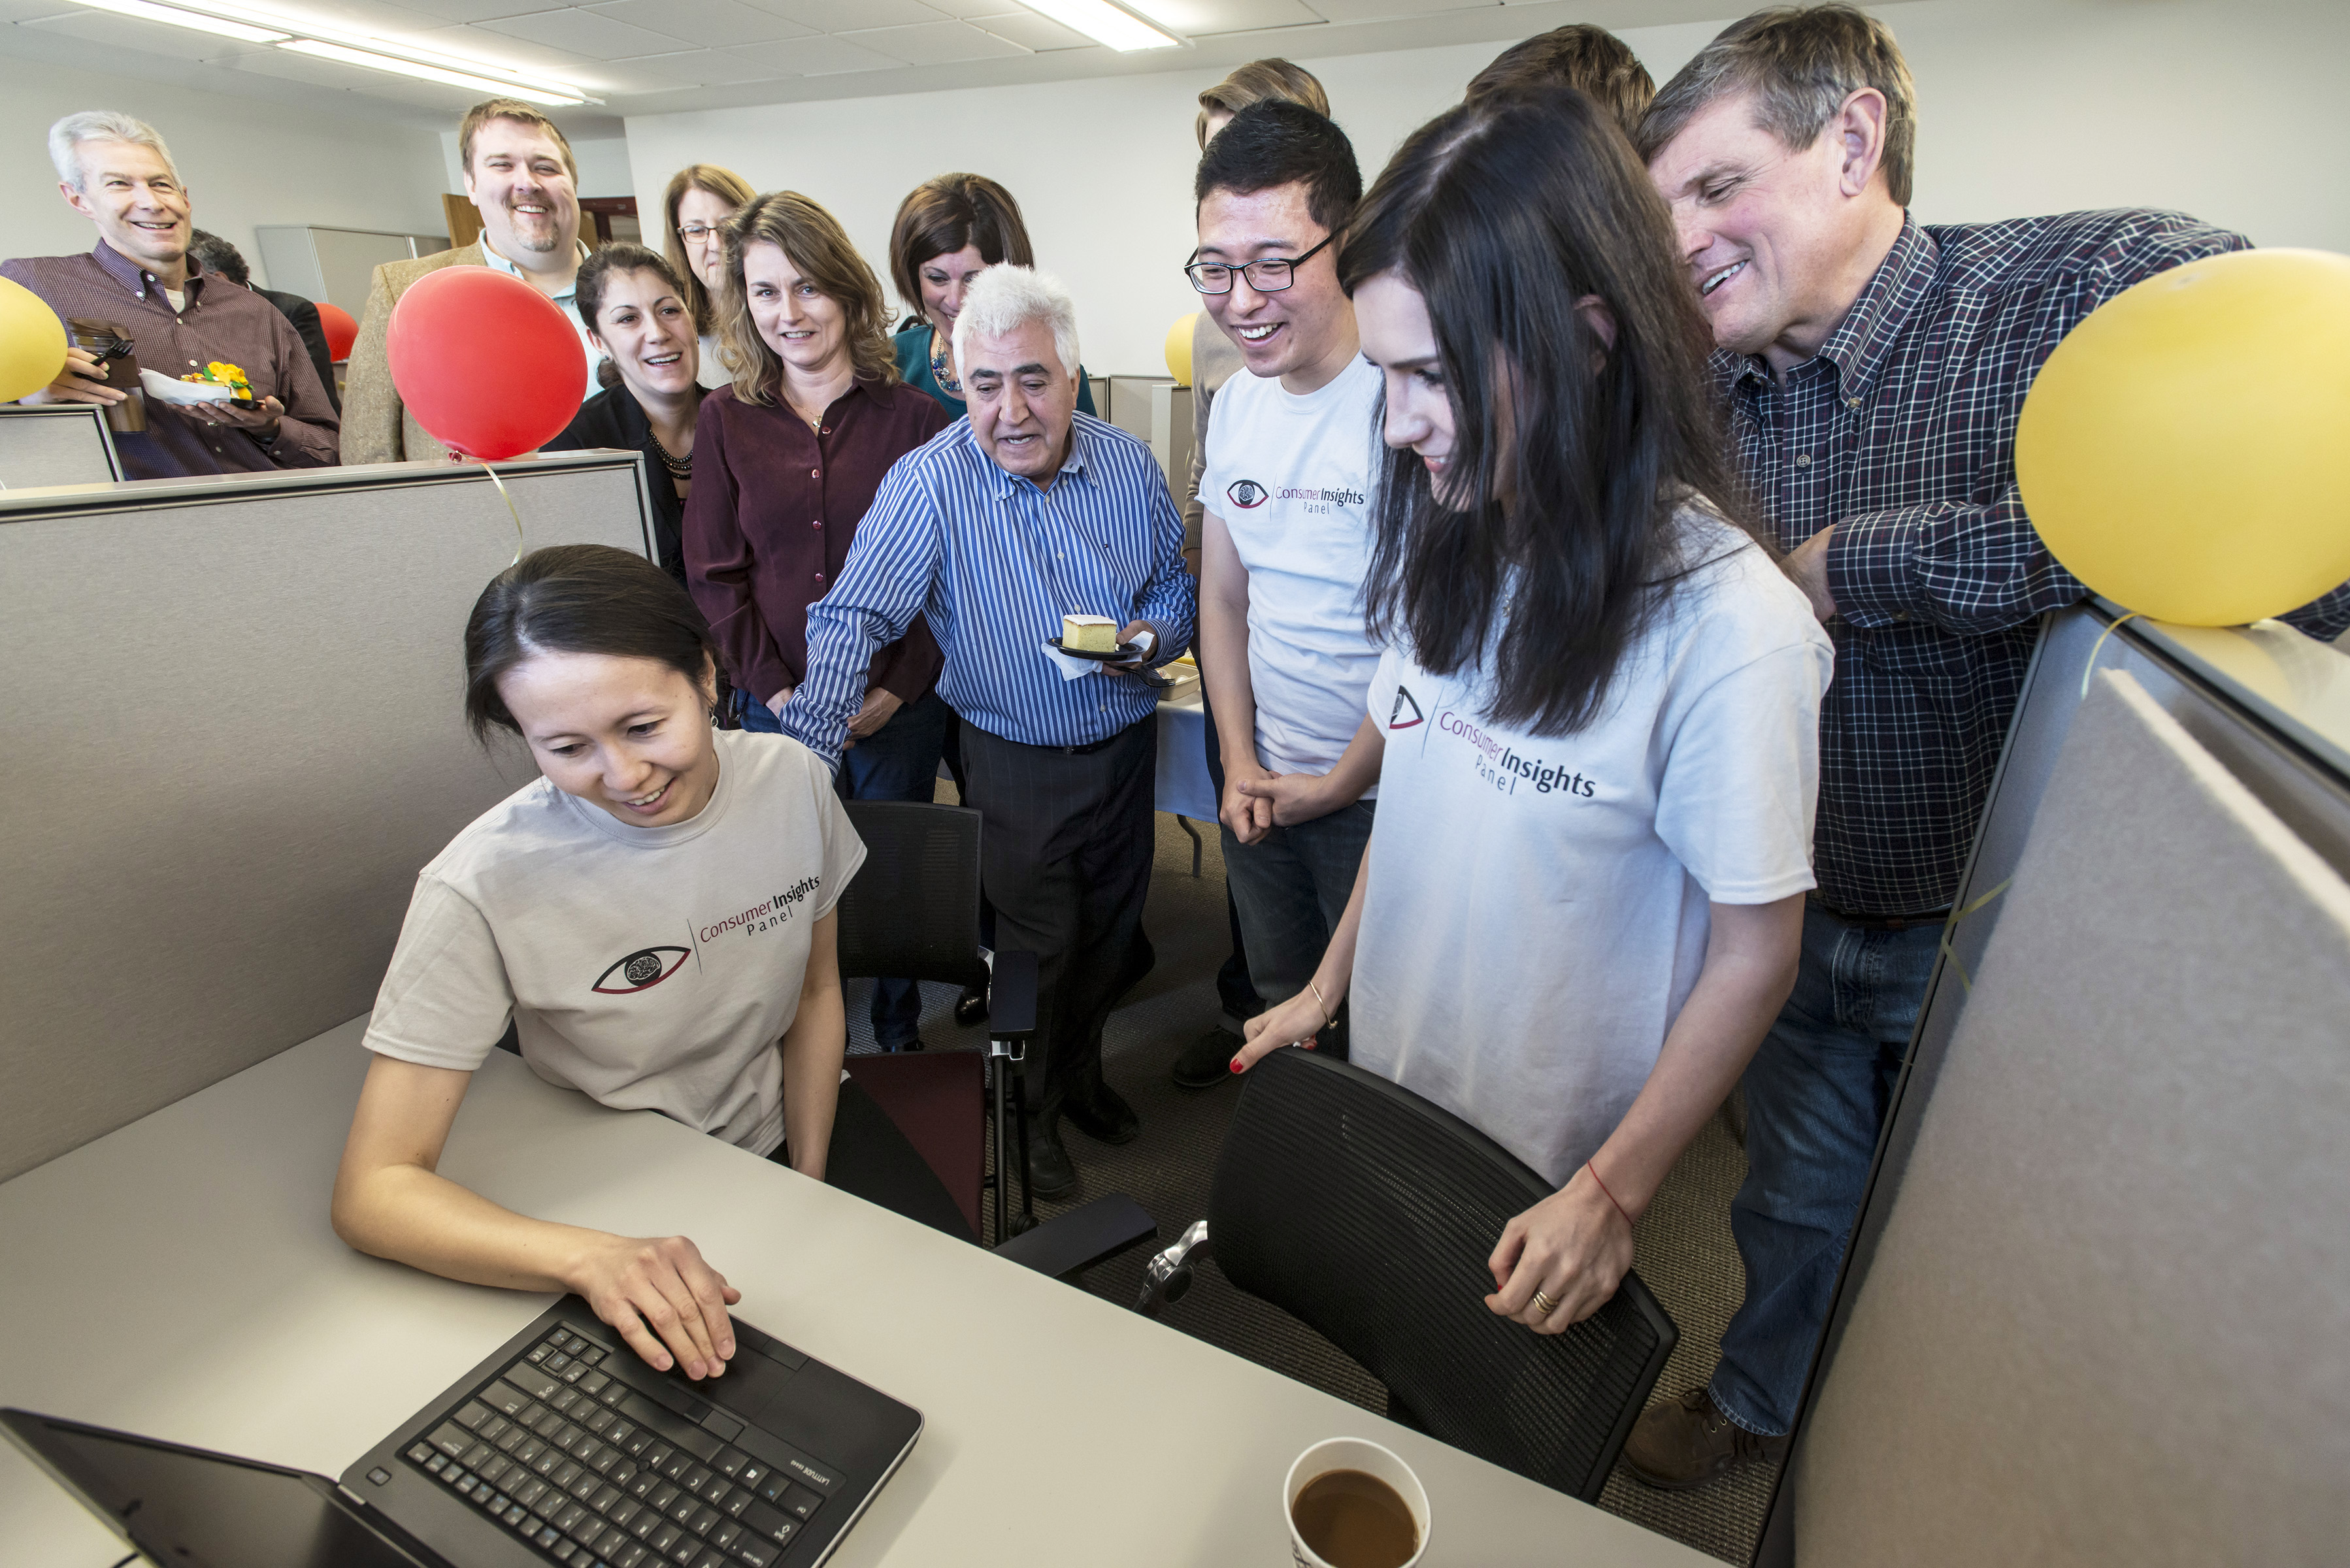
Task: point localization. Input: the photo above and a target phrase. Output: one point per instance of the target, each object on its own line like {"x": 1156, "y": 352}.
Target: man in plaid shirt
{"x": 1874, "y": 370}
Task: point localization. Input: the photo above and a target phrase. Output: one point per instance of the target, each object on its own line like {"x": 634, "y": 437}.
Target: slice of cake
{"x": 1089, "y": 633}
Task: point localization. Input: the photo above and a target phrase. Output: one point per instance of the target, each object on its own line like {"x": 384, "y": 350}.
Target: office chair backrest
{"x": 912, "y": 909}
{"x": 1368, "y": 1213}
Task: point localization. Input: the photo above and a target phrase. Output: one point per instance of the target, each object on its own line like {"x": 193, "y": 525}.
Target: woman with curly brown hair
{"x": 790, "y": 454}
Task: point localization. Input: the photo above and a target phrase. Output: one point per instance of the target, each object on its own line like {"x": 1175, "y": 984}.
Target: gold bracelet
{"x": 1328, "y": 1017}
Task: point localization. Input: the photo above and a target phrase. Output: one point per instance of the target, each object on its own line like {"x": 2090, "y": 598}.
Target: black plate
{"x": 1124, "y": 653}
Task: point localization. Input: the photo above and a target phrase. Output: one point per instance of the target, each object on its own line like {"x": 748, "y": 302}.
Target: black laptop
{"x": 562, "y": 1448}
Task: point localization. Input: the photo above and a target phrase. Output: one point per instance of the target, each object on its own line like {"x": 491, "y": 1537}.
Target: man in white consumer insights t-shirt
{"x": 1293, "y": 455}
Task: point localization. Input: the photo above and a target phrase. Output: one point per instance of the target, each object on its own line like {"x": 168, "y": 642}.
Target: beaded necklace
{"x": 939, "y": 356}
{"x": 679, "y": 467}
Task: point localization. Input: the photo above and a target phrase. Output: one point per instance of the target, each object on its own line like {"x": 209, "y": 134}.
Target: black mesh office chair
{"x": 1367, "y": 1212}
{"x": 912, "y": 909}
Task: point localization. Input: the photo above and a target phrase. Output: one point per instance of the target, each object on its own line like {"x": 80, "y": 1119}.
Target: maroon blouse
{"x": 774, "y": 511}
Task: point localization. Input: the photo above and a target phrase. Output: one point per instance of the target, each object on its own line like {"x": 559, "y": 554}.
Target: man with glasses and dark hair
{"x": 1291, "y": 455}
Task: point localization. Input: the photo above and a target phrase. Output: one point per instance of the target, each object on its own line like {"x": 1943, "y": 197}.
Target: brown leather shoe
{"x": 1688, "y": 1442}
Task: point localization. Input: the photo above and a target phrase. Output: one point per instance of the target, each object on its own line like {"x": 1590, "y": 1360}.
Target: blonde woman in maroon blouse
{"x": 787, "y": 459}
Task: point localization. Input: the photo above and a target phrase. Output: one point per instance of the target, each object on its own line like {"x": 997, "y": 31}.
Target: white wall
{"x": 246, "y": 161}
{"x": 2232, "y": 110}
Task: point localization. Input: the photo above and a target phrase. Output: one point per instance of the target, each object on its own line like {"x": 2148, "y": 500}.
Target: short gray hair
{"x": 66, "y": 136}
{"x": 1003, "y": 299}
{"x": 1801, "y": 63}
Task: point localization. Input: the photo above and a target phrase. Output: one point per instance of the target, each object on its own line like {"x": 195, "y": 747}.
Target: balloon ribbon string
{"x": 1950, "y": 927}
{"x": 505, "y": 495}
{"x": 2098, "y": 646}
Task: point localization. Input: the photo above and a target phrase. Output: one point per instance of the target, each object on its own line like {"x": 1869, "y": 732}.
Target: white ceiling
{"x": 656, "y": 57}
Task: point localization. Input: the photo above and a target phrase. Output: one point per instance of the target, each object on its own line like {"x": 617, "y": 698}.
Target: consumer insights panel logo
{"x": 1246, "y": 493}
{"x": 640, "y": 971}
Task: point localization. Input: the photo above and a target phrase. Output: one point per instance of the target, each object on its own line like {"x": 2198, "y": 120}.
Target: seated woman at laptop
{"x": 1583, "y": 904}
{"x": 655, "y": 916}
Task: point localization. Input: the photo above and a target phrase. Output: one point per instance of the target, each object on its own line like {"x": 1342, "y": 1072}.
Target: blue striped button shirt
{"x": 992, "y": 563}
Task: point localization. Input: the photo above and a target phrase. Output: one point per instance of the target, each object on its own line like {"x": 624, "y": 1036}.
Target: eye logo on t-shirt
{"x": 1403, "y": 705}
{"x": 1246, "y": 493}
{"x": 640, "y": 971}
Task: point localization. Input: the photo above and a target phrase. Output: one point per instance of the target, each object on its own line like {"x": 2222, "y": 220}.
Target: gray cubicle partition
{"x": 2097, "y": 1306}
{"x": 234, "y": 732}
{"x": 47, "y": 444}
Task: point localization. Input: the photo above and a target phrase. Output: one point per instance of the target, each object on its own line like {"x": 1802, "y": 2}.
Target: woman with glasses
{"x": 1583, "y": 901}
{"x": 634, "y": 306}
{"x": 948, "y": 231}
{"x": 793, "y": 452}
{"x": 700, "y": 197}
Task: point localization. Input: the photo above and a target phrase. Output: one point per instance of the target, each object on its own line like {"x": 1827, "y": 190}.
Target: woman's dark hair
{"x": 578, "y": 598}
{"x": 941, "y": 216}
{"x": 1277, "y": 143}
{"x": 1503, "y": 214}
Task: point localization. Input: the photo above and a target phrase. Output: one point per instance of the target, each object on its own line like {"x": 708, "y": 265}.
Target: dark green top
{"x": 914, "y": 370}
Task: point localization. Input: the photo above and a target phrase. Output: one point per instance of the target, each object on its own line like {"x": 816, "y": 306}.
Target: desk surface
{"x": 178, "y": 1278}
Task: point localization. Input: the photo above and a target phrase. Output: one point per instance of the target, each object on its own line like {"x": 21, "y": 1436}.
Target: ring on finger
{"x": 1544, "y": 1304}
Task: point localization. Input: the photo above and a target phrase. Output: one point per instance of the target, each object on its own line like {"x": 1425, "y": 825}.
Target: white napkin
{"x": 1072, "y": 666}
{"x": 172, "y": 389}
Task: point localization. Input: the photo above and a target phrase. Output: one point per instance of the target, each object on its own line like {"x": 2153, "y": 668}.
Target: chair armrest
{"x": 1092, "y": 1233}
{"x": 1169, "y": 1274}
{"x": 1012, "y": 997}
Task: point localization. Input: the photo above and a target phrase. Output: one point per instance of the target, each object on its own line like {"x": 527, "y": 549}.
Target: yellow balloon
{"x": 32, "y": 342}
{"x": 1179, "y": 348}
{"x": 2183, "y": 451}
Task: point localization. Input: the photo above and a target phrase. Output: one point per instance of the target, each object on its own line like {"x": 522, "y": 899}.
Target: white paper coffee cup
{"x": 1352, "y": 1454}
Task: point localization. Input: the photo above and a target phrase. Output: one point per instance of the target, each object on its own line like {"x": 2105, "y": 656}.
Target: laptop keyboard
{"x": 599, "y": 1462}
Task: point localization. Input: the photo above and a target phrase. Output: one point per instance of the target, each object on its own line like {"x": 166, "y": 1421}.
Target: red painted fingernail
{"x": 1235, "y": 1063}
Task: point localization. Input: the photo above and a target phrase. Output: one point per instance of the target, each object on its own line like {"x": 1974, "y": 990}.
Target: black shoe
{"x": 915, "y": 1043}
{"x": 1050, "y": 1172}
{"x": 1101, "y": 1114}
{"x": 971, "y": 1007}
{"x": 1207, "y": 1061}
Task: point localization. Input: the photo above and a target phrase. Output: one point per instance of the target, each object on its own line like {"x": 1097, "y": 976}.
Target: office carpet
{"x": 1684, "y": 1250}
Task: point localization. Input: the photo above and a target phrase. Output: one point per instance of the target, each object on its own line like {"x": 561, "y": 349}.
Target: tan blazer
{"x": 376, "y": 428}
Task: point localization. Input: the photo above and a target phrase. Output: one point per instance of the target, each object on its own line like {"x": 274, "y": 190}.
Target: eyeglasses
{"x": 696, "y": 233}
{"x": 1269, "y": 274}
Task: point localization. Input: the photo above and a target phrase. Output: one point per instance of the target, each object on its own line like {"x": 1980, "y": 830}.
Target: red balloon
{"x": 341, "y": 330}
{"x": 486, "y": 363}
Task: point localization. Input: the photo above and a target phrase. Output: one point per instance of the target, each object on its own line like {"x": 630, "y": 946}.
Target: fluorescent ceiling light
{"x": 172, "y": 16}
{"x": 1105, "y": 24}
{"x": 368, "y": 60}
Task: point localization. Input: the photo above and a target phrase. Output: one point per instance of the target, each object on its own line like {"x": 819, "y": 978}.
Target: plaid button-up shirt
{"x": 1901, "y": 432}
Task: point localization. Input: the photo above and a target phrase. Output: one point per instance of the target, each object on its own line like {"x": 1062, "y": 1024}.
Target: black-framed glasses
{"x": 697, "y": 233}
{"x": 1269, "y": 274}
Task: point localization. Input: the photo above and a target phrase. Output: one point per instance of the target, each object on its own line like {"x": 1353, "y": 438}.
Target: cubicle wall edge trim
{"x": 67, "y": 500}
{"x": 2316, "y": 751}
{"x": 1775, "y": 1547}
{"x": 90, "y": 411}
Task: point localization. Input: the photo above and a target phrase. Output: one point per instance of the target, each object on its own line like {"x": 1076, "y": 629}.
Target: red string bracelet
{"x": 1602, "y": 1188}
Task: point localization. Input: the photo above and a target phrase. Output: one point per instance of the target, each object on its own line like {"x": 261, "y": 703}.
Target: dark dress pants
{"x": 1065, "y": 847}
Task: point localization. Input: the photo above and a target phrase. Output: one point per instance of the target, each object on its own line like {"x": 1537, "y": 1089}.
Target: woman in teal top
{"x": 948, "y": 232}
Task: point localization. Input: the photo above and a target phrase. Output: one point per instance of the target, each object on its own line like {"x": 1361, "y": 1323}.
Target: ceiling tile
{"x": 851, "y": 15}
{"x": 1202, "y": 18}
{"x": 707, "y": 67}
{"x": 935, "y": 43}
{"x": 713, "y": 24}
{"x": 467, "y": 42}
{"x": 296, "y": 68}
{"x": 586, "y": 33}
{"x": 817, "y": 56}
{"x": 1032, "y": 32}
{"x": 473, "y": 10}
{"x": 147, "y": 38}
{"x": 1374, "y": 10}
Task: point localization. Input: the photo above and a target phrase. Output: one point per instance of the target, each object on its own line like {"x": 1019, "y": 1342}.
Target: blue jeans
{"x": 1291, "y": 887}
{"x": 898, "y": 762}
{"x": 1816, "y": 1093}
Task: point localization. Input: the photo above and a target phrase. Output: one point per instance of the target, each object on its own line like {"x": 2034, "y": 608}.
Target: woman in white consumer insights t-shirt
{"x": 1582, "y": 904}
{"x": 655, "y": 917}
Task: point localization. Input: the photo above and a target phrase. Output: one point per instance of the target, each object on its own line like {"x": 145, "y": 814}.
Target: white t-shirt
{"x": 1292, "y": 479}
{"x": 648, "y": 968}
{"x": 1536, "y": 913}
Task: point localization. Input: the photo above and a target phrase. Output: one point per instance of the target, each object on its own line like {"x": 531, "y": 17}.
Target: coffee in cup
{"x": 1353, "y": 1504}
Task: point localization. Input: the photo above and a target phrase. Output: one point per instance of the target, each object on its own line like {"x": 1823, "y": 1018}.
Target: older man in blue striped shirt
{"x": 1019, "y": 513}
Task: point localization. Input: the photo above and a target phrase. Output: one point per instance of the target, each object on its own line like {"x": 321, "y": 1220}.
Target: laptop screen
{"x": 184, "y": 1507}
